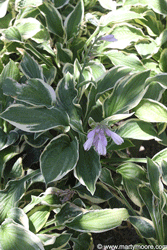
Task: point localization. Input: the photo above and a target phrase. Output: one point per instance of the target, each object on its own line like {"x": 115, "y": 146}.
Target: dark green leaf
{"x": 144, "y": 226}
{"x": 10, "y": 70}
{"x": 32, "y": 119}
{"x": 12, "y": 194}
{"x": 74, "y": 19}
{"x": 58, "y": 158}
{"x": 88, "y": 168}
{"x": 35, "y": 92}
{"x": 53, "y": 19}
{"x": 110, "y": 79}
{"x": 66, "y": 95}
{"x": 101, "y": 194}
{"x": 67, "y": 213}
{"x": 126, "y": 95}
{"x": 30, "y": 67}
{"x": 12, "y": 34}
{"x": 154, "y": 177}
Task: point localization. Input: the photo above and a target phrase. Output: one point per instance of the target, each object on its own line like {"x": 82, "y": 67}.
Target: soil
{"x": 123, "y": 235}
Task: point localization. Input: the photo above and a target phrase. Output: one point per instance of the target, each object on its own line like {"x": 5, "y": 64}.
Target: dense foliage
{"x": 82, "y": 87}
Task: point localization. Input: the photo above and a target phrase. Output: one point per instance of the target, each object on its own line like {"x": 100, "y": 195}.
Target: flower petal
{"x": 116, "y": 138}
{"x": 108, "y": 132}
{"x": 103, "y": 139}
{"x": 95, "y": 140}
{"x": 91, "y": 133}
{"x": 88, "y": 144}
{"x": 109, "y": 38}
{"x": 101, "y": 149}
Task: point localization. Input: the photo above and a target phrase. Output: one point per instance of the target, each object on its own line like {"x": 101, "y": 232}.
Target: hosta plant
{"x": 82, "y": 86}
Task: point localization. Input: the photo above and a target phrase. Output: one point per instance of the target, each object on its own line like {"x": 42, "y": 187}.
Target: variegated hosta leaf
{"x": 34, "y": 119}
{"x": 16, "y": 237}
{"x": 126, "y": 95}
{"x": 58, "y": 158}
{"x": 99, "y": 220}
{"x": 144, "y": 226}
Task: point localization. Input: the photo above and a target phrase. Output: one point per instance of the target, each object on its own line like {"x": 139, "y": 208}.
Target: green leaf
{"x": 88, "y": 168}
{"x": 28, "y": 27}
{"x": 2, "y": 138}
{"x": 126, "y": 144}
{"x": 151, "y": 22}
{"x": 15, "y": 172}
{"x": 157, "y": 5}
{"x": 60, "y": 3}
{"x": 151, "y": 111}
{"x": 16, "y": 237}
{"x": 26, "y": 3}
{"x": 154, "y": 177}
{"x": 147, "y": 197}
{"x": 53, "y": 19}
{"x": 124, "y": 59}
{"x": 35, "y": 92}
{"x": 67, "y": 213}
{"x": 133, "y": 175}
{"x": 160, "y": 79}
{"x": 163, "y": 37}
{"x": 32, "y": 119}
{"x": 101, "y": 194}
{"x": 5, "y": 155}
{"x": 138, "y": 130}
{"x": 144, "y": 226}
{"x": 97, "y": 221}
{"x": 162, "y": 61}
{"x": 111, "y": 5}
{"x": 66, "y": 95}
{"x": 36, "y": 141}
{"x": 74, "y": 19}
{"x": 49, "y": 198}
{"x": 61, "y": 241}
{"x": 64, "y": 55}
{"x": 106, "y": 178}
{"x": 54, "y": 165}
{"x": 126, "y": 95}
{"x": 146, "y": 48}
{"x": 49, "y": 74}
{"x": 10, "y": 70}
{"x": 97, "y": 70}
{"x": 30, "y": 67}
{"x": 154, "y": 91}
{"x": 7, "y": 139}
{"x": 18, "y": 215}
{"x": 12, "y": 34}
{"x": 118, "y": 16}
{"x": 164, "y": 172}
{"x": 115, "y": 118}
{"x": 160, "y": 156}
{"x": 83, "y": 242}
{"x": 110, "y": 78}
{"x": 38, "y": 218}
{"x": 3, "y": 7}
{"x": 12, "y": 194}
{"x": 4, "y": 24}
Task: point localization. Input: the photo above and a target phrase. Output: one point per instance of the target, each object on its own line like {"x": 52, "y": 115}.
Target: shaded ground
{"x": 124, "y": 235}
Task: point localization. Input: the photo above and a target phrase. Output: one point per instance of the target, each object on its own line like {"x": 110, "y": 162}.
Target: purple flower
{"x": 108, "y": 38}
{"x": 97, "y": 138}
